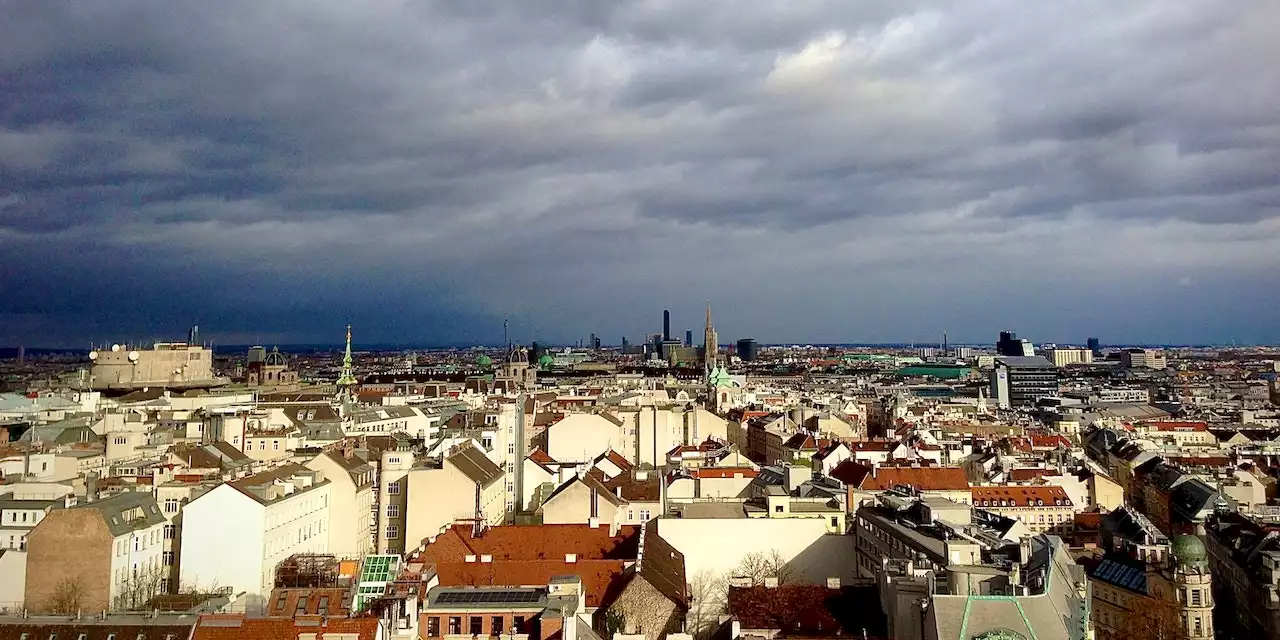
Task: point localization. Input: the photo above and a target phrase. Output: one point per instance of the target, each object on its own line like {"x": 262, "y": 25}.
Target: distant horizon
{"x": 321, "y": 347}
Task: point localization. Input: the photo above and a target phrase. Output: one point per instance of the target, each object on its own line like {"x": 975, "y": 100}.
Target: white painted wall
{"x": 13, "y": 578}
{"x": 717, "y": 545}
{"x": 580, "y": 437}
{"x": 231, "y": 540}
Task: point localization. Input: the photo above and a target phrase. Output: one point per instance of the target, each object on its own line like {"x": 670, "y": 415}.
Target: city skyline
{"x": 874, "y": 174}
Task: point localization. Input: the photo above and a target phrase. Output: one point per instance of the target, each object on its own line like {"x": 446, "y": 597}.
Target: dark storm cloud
{"x": 430, "y": 167}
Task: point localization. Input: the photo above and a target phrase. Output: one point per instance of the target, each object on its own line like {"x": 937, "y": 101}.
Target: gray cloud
{"x": 821, "y": 169}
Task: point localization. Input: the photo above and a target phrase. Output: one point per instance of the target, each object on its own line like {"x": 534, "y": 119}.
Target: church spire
{"x": 348, "y": 377}
{"x": 708, "y": 314}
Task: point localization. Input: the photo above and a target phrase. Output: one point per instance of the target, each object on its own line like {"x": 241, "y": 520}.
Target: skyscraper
{"x": 1095, "y": 345}
{"x": 688, "y": 337}
{"x": 666, "y": 325}
{"x": 748, "y": 350}
{"x": 1010, "y": 345}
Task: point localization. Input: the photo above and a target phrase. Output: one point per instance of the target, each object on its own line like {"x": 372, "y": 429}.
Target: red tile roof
{"x": 1027, "y": 475}
{"x": 284, "y": 601}
{"x": 534, "y": 542}
{"x": 596, "y": 575}
{"x": 851, "y": 472}
{"x": 1173, "y": 425}
{"x": 922, "y": 478}
{"x": 725, "y": 472}
{"x": 238, "y": 627}
{"x": 541, "y": 457}
{"x": 802, "y": 441}
{"x": 1019, "y": 496}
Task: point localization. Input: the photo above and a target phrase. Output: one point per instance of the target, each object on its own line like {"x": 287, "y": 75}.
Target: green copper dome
{"x": 484, "y": 361}
{"x": 1190, "y": 551}
{"x": 545, "y": 361}
{"x": 720, "y": 378}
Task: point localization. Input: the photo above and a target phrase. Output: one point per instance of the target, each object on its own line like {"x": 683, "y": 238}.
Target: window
{"x": 1199, "y": 628}
{"x": 393, "y": 489}
{"x": 495, "y": 626}
{"x": 170, "y": 531}
{"x": 302, "y": 605}
{"x": 168, "y": 558}
{"x": 281, "y": 602}
{"x": 476, "y": 626}
{"x": 120, "y": 440}
{"x": 835, "y": 522}
{"x": 393, "y": 511}
{"x": 393, "y": 460}
{"x": 644, "y": 515}
{"x": 455, "y": 625}
{"x": 171, "y": 505}
{"x": 517, "y": 625}
{"x": 324, "y": 605}
{"x": 433, "y": 627}
{"x": 777, "y": 509}
{"x": 1195, "y": 599}
{"x": 393, "y": 532}
{"x": 275, "y": 445}
{"x": 631, "y": 515}
{"x": 511, "y": 449}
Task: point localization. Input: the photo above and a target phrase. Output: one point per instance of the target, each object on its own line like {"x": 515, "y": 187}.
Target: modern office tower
{"x": 1095, "y": 345}
{"x": 1010, "y": 345}
{"x": 1020, "y": 381}
{"x": 1143, "y": 359}
{"x": 1061, "y": 357}
{"x": 666, "y": 325}
{"x": 688, "y": 337}
{"x": 748, "y": 349}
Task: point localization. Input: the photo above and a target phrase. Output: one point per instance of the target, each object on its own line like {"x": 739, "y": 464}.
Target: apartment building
{"x": 1143, "y": 359}
{"x": 233, "y": 536}
{"x": 464, "y": 482}
{"x": 107, "y": 551}
{"x": 1043, "y": 508}
{"x": 1061, "y": 357}
{"x": 352, "y": 527}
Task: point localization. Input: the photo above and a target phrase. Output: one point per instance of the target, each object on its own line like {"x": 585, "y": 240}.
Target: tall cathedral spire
{"x": 348, "y": 377}
{"x": 710, "y": 346}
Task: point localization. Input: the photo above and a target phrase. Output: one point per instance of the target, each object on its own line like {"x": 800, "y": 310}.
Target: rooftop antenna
{"x": 506, "y": 341}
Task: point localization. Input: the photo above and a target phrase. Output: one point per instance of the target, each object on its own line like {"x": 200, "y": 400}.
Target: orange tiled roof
{"x": 541, "y": 457}
{"x": 1027, "y": 475}
{"x": 725, "y": 472}
{"x": 596, "y": 575}
{"x": 534, "y": 542}
{"x": 1020, "y": 496}
{"x": 922, "y": 478}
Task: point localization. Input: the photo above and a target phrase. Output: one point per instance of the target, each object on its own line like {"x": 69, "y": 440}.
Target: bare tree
{"x": 758, "y": 566}
{"x": 1157, "y": 619}
{"x": 67, "y": 596}
{"x": 139, "y": 589}
{"x": 708, "y": 595}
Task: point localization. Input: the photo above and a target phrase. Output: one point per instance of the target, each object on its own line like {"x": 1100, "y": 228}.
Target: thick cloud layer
{"x": 821, "y": 170}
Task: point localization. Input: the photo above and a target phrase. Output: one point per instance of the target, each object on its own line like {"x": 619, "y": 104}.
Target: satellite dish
{"x": 93, "y": 355}
{"x": 133, "y": 356}
{"x": 115, "y": 348}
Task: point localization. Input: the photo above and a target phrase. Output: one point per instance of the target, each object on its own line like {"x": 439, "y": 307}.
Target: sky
{"x": 821, "y": 171}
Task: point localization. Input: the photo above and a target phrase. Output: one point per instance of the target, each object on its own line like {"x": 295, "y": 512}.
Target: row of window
{"x": 140, "y": 543}
{"x": 53, "y": 635}
{"x": 475, "y": 625}
{"x": 34, "y": 515}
